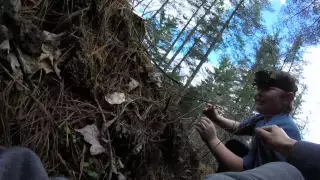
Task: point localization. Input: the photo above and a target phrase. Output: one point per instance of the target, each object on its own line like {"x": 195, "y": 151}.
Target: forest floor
{"x": 78, "y": 88}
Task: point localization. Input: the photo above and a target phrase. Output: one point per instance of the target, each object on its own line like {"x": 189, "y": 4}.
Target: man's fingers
{"x": 270, "y": 128}
{"x": 209, "y": 107}
{"x": 208, "y": 121}
{"x": 201, "y": 125}
{"x": 198, "y": 128}
{"x": 263, "y": 133}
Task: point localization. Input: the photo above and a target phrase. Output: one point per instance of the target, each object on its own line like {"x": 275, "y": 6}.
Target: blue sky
{"x": 271, "y": 17}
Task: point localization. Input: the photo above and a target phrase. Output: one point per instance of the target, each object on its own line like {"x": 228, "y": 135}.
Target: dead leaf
{"x": 16, "y": 5}
{"x": 91, "y": 134}
{"x": 157, "y": 78}
{"x": 121, "y": 177}
{"x": 116, "y": 166}
{"x": 51, "y": 37}
{"x": 4, "y": 39}
{"x": 14, "y": 63}
{"x": 120, "y": 164}
{"x": 138, "y": 148}
{"x": 115, "y": 98}
{"x": 133, "y": 84}
{"x": 48, "y": 60}
{"x": 5, "y": 46}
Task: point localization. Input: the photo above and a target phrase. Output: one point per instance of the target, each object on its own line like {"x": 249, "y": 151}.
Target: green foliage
{"x": 267, "y": 55}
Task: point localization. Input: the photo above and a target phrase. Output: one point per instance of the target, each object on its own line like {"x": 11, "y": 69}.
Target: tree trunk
{"x": 292, "y": 53}
{"x": 187, "y": 54}
{"x": 160, "y": 9}
{"x": 144, "y": 10}
{"x": 181, "y": 32}
{"x": 139, "y": 2}
{"x": 212, "y": 46}
{"x": 189, "y": 36}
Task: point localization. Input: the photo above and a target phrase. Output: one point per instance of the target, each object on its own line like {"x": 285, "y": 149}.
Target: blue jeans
{"x": 19, "y": 163}
{"x": 270, "y": 171}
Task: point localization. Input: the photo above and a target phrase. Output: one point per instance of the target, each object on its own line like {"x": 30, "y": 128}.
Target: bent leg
{"x": 270, "y": 171}
{"x": 238, "y": 148}
{"x": 21, "y": 163}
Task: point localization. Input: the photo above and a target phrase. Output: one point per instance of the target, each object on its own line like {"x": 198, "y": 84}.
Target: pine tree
{"x": 190, "y": 35}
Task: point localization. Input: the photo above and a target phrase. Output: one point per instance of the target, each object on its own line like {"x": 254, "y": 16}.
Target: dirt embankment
{"x": 78, "y": 88}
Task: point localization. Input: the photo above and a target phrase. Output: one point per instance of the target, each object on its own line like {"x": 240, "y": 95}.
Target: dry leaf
{"x": 121, "y": 177}
{"x": 157, "y": 78}
{"x": 46, "y": 62}
{"x": 5, "y": 46}
{"x": 138, "y": 148}
{"x": 115, "y": 98}
{"x": 120, "y": 164}
{"x": 133, "y": 84}
{"x": 48, "y": 59}
{"x": 14, "y": 63}
{"x": 116, "y": 166}
{"x": 91, "y": 135}
{"x": 16, "y": 5}
{"x": 51, "y": 37}
{"x": 4, "y": 39}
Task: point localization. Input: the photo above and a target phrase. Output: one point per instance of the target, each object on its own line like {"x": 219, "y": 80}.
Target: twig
{"x": 22, "y": 65}
{"x": 105, "y": 130}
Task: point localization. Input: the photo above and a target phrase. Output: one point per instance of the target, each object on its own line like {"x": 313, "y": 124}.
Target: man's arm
{"x": 225, "y": 156}
{"x": 303, "y": 155}
{"x": 225, "y": 123}
{"x": 208, "y": 133}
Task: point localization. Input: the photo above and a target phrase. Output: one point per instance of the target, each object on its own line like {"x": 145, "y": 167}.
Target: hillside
{"x": 79, "y": 88}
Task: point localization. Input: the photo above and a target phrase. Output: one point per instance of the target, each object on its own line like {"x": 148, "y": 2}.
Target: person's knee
{"x": 237, "y": 147}
{"x": 23, "y": 151}
{"x": 274, "y": 170}
{"x": 233, "y": 143}
{"x": 21, "y": 154}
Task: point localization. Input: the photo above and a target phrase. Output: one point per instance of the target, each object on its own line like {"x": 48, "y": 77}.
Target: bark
{"x": 189, "y": 36}
{"x": 213, "y": 45}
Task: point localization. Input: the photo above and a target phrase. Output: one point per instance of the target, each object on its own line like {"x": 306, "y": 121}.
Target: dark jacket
{"x": 305, "y": 157}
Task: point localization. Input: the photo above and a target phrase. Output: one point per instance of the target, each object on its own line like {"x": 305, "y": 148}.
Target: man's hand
{"x": 211, "y": 112}
{"x": 276, "y": 139}
{"x": 207, "y": 131}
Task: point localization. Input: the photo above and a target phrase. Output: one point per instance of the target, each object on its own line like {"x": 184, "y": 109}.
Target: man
{"x": 304, "y": 159}
{"x": 274, "y": 98}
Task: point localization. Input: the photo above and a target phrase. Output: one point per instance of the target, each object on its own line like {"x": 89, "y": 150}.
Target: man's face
{"x": 269, "y": 101}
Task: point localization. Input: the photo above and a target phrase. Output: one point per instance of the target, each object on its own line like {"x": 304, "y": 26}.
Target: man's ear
{"x": 289, "y": 97}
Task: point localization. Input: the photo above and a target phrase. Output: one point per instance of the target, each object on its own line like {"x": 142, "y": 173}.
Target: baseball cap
{"x": 280, "y": 79}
